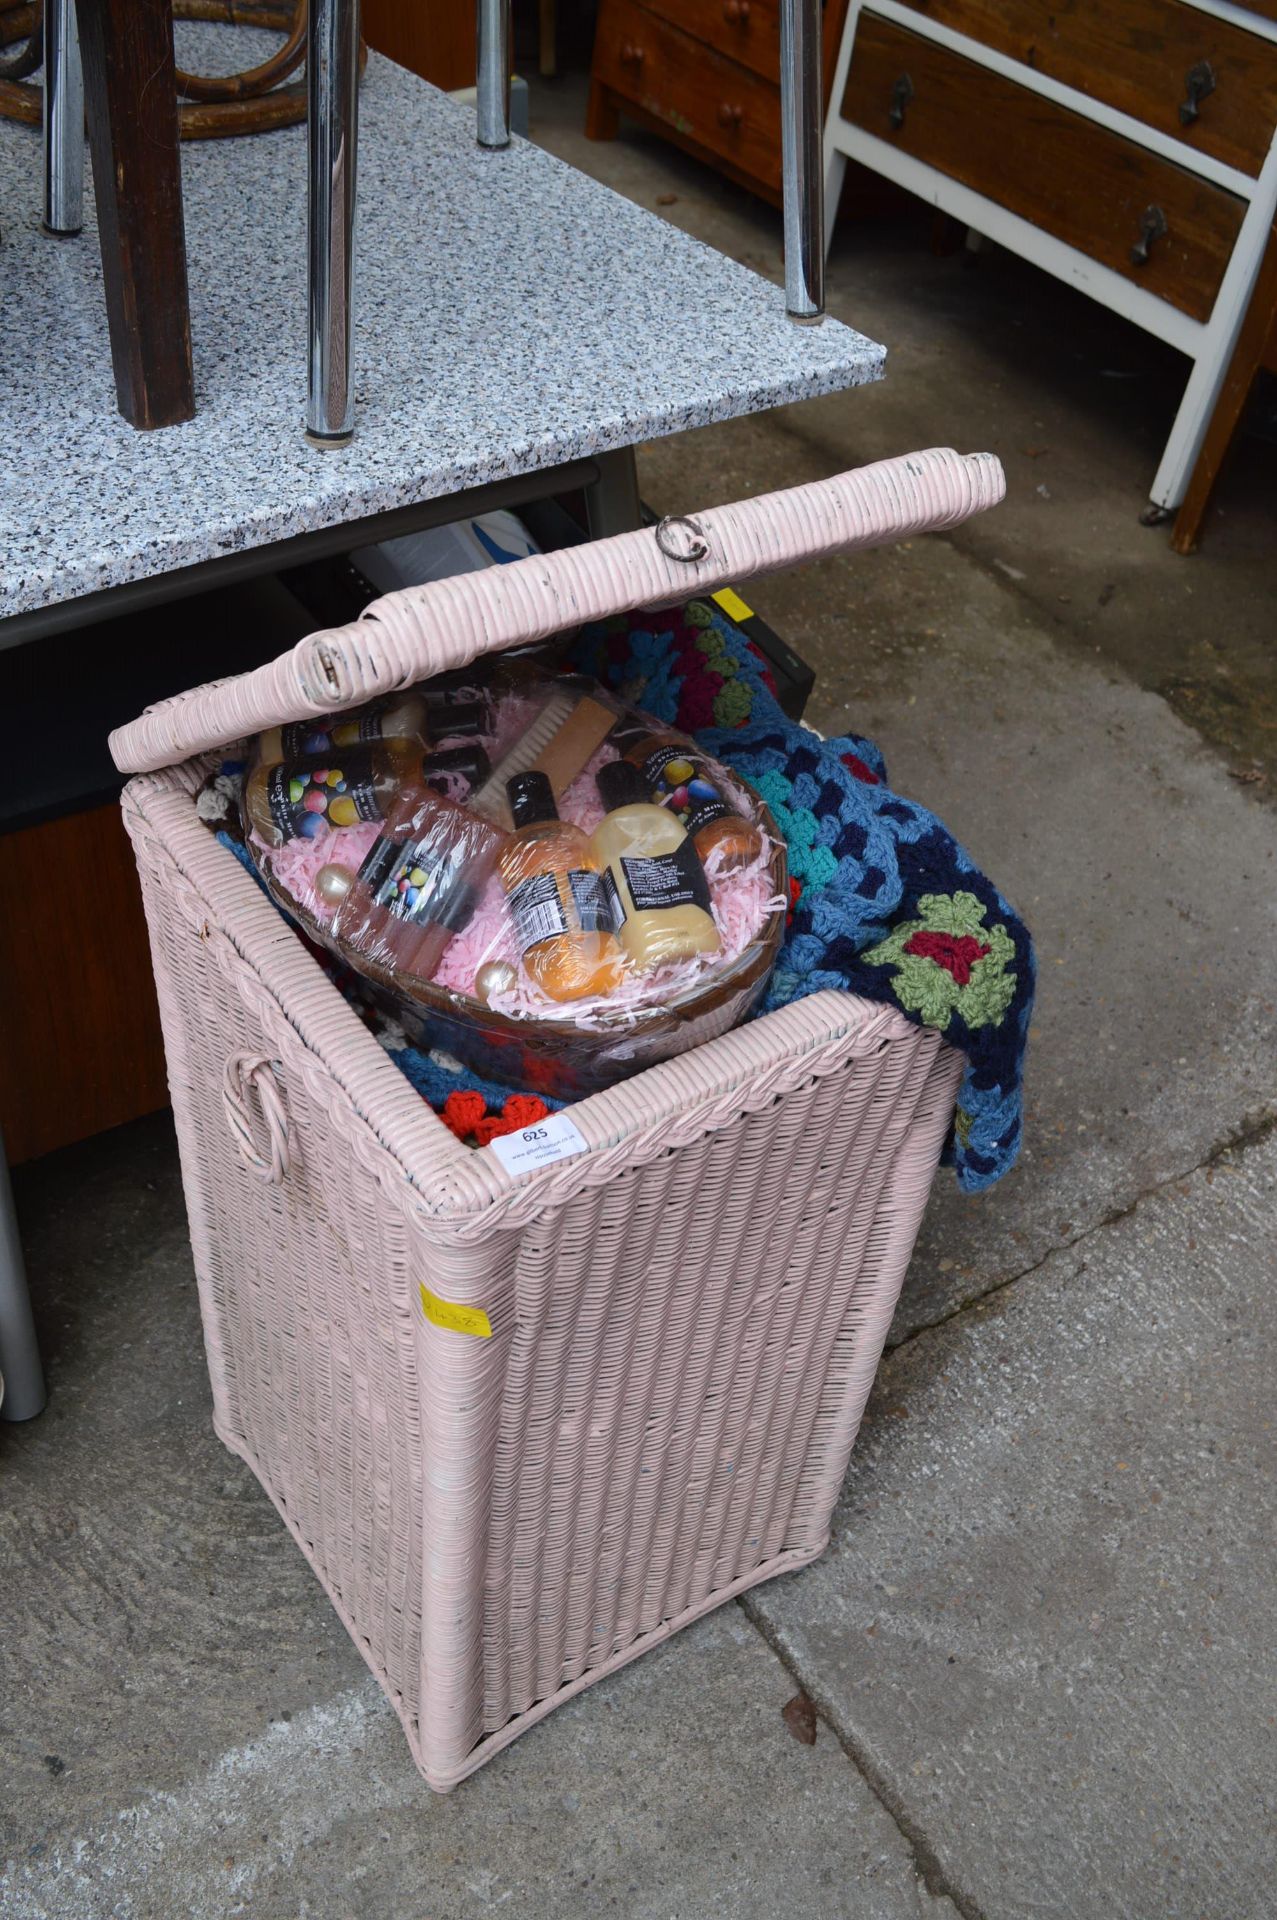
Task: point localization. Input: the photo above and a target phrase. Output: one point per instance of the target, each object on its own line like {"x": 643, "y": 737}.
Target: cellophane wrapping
{"x": 552, "y": 886}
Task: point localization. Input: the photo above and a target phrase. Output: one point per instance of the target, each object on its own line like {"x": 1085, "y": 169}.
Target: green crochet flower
{"x": 949, "y": 961}
{"x": 733, "y": 704}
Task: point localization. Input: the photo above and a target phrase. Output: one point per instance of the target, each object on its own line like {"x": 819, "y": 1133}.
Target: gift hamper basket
{"x": 527, "y": 1416}
{"x": 525, "y": 870}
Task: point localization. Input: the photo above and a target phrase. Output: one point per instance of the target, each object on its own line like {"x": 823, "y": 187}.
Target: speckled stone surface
{"x": 510, "y": 315}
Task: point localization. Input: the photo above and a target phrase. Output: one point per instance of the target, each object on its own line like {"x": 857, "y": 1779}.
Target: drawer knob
{"x": 1152, "y": 227}
{"x": 901, "y": 95}
{"x": 631, "y": 56}
{"x": 736, "y": 12}
{"x": 1198, "y": 82}
{"x": 730, "y": 116}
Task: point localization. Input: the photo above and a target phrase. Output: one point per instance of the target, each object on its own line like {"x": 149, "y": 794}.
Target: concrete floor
{"x": 1042, "y": 1644}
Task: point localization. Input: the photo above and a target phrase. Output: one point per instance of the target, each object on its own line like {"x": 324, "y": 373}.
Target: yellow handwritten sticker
{"x": 732, "y": 604}
{"x": 446, "y": 1313}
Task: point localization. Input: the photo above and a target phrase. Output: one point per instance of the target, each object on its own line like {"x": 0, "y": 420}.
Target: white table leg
{"x": 1212, "y": 362}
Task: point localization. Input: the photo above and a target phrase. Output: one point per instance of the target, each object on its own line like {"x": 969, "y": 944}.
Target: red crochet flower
{"x": 795, "y": 895}
{"x": 957, "y": 953}
{"x": 520, "y": 1110}
{"x": 463, "y": 1111}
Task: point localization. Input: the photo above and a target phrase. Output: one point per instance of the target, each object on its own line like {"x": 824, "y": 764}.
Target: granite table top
{"x": 510, "y": 314}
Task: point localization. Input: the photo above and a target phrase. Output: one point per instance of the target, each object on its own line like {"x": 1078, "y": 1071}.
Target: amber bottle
{"x": 562, "y": 923}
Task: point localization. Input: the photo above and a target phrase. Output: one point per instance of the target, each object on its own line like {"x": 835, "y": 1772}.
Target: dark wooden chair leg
{"x": 1254, "y": 346}
{"x": 131, "y": 98}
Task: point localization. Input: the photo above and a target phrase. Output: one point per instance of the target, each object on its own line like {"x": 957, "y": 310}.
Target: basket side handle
{"x": 420, "y": 631}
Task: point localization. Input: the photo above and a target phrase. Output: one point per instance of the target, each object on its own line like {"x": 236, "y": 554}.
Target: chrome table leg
{"x": 802, "y": 159}
{"x": 63, "y": 120}
{"x": 332, "y": 74}
{"x": 493, "y": 64}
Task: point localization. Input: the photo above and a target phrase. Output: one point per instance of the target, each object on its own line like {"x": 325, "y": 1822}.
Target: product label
{"x": 304, "y": 738}
{"x": 537, "y": 910}
{"x": 446, "y": 1313}
{"x": 669, "y": 766}
{"x": 592, "y": 901}
{"x": 613, "y": 904}
{"x": 304, "y": 800}
{"x": 704, "y": 814}
{"x": 662, "y": 880}
{"x": 554, "y": 1138}
{"x": 678, "y": 783}
{"x": 419, "y": 880}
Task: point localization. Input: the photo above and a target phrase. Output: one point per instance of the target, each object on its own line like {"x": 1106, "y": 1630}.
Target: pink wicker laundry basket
{"x": 524, "y": 1428}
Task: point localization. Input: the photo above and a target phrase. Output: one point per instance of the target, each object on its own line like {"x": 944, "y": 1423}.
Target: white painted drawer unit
{"x": 1124, "y": 145}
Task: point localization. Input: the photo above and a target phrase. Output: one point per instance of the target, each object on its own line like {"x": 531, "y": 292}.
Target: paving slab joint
{"x": 926, "y": 1860}
{"x": 1250, "y": 1132}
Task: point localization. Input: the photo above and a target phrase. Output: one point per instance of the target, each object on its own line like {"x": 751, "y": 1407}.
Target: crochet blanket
{"x": 885, "y": 903}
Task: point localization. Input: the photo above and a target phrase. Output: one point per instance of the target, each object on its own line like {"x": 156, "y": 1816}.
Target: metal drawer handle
{"x": 632, "y": 56}
{"x": 1198, "y": 82}
{"x": 255, "y": 1073}
{"x": 728, "y": 115}
{"x": 736, "y": 12}
{"x": 1152, "y": 227}
{"x": 901, "y": 95}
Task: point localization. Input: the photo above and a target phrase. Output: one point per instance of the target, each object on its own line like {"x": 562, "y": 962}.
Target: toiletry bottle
{"x": 293, "y": 799}
{"x": 456, "y": 772}
{"x": 418, "y": 884}
{"x": 400, "y": 718}
{"x": 675, "y": 777}
{"x": 458, "y": 712}
{"x": 661, "y": 900}
{"x": 562, "y": 923}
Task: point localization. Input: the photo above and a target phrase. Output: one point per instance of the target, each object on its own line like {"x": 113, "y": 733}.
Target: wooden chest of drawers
{"x": 1127, "y": 146}
{"x": 705, "y": 73}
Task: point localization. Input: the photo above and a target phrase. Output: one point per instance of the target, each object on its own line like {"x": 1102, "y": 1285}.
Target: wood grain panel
{"x": 80, "y": 1046}
{"x": 744, "y": 30}
{"x": 1136, "y": 56}
{"x": 708, "y": 101}
{"x": 1074, "y": 179}
{"x": 436, "y": 40}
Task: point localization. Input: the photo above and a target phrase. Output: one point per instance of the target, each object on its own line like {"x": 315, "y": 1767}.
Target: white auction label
{"x": 554, "y": 1138}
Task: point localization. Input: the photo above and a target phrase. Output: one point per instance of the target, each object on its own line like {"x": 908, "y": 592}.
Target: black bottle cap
{"x": 460, "y": 718}
{"x": 621, "y": 785}
{"x": 531, "y": 799}
{"x": 470, "y": 764}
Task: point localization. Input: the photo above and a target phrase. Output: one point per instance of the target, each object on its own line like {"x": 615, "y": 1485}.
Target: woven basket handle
{"x": 253, "y": 1074}
{"x": 426, "y": 630}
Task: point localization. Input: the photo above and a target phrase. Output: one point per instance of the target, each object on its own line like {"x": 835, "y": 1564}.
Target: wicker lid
{"x": 421, "y": 631}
